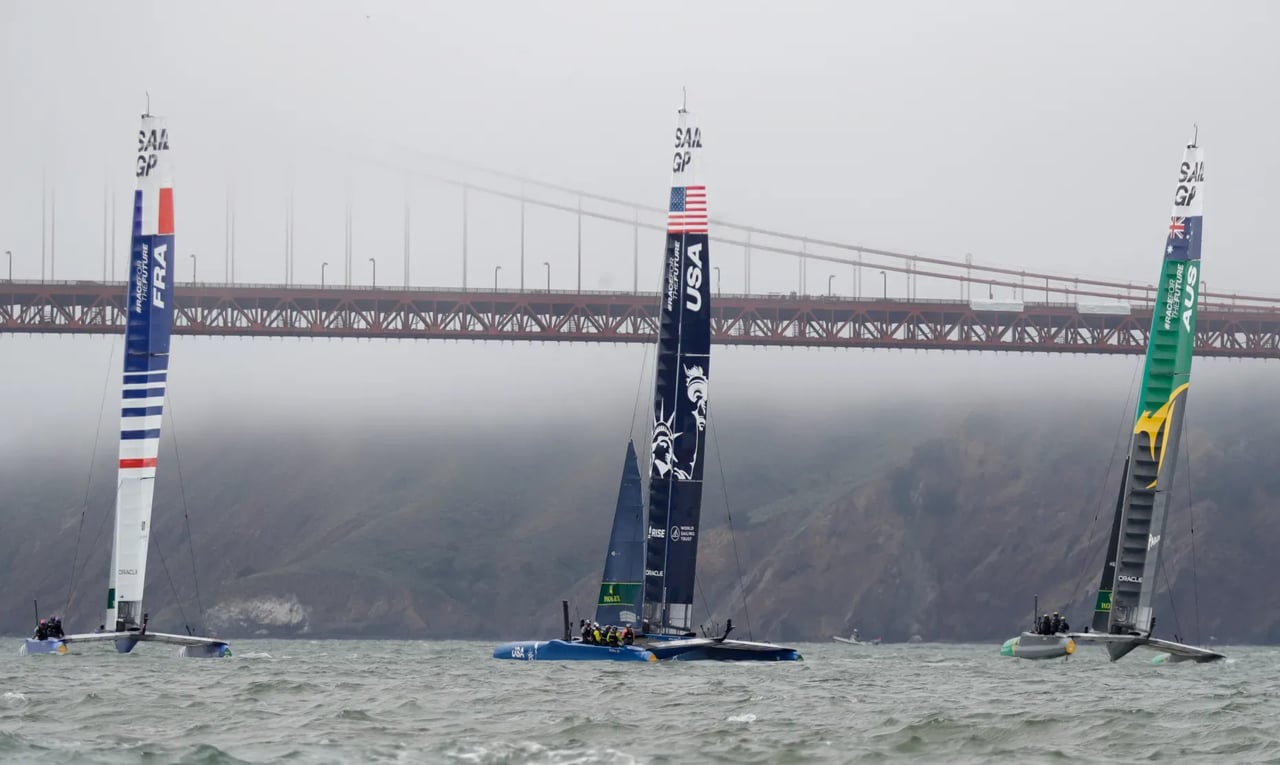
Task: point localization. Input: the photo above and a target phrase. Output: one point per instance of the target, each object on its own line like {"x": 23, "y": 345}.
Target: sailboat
{"x": 678, "y": 447}
{"x": 1124, "y": 616}
{"x": 149, "y": 305}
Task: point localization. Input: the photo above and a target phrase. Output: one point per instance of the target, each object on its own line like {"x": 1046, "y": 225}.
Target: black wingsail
{"x": 1102, "y": 608}
{"x": 620, "y": 587}
{"x": 680, "y": 395}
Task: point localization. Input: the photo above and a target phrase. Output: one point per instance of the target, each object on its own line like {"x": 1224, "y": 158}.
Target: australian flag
{"x": 1183, "y": 241}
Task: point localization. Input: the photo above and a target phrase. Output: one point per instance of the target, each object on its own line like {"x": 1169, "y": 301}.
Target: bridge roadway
{"x": 87, "y": 307}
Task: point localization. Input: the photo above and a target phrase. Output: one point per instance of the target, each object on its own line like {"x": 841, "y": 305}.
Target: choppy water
{"x": 341, "y": 701}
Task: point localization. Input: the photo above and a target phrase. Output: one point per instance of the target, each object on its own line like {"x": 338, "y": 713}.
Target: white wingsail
{"x": 146, "y": 363}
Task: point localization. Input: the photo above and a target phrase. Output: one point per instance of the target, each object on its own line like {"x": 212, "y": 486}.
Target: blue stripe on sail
{"x": 137, "y": 212}
{"x": 141, "y": 411}
{"x": 144, "y": 392}
{"x": 138, "y": 435}
{"x": 138, "y": 378}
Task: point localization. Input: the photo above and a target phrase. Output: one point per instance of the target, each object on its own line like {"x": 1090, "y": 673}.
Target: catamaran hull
{"x": 711, "y": 649}
{"x": 560, "y": 650}
{"x": 189, "y": 646}
{"x": 33, "y": 647}
{"x": 1029, "y": 645}
{"x": 1119, "y": 646}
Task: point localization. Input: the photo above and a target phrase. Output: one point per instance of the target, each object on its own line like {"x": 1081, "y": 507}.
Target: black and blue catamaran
{"x": 663, "y": 599}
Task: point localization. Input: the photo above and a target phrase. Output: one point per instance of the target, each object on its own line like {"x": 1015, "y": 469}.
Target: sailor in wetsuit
{"x": 42, "y": 631}
{"x": 1042, "y": 627}
{"x": 1063, "y": 627}
{"x": 55, "y": 628}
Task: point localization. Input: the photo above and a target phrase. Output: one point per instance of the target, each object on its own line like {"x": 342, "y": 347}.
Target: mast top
{"x": 1195, "y": 138}
{"x": 684, "y": 99}
{"x": 147, "y": 113}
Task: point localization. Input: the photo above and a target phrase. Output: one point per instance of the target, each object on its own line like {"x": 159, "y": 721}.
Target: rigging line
{"x": 1191, "y": 512}
{"x": 182, "y": 488}
{"x": 176, "y": 597}
{"x": 94, "y": 544}
{"x": 635, "y": 405}
{"x": 706, "y": 605}
{"x": 1173, "y": 607}
{"x": 1097, "y": 502}
{"x": 724, "y": 486}
{"x": 88, "y": 482}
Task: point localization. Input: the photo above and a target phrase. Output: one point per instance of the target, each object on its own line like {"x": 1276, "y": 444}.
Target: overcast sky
{"x": 1031, "y": 135}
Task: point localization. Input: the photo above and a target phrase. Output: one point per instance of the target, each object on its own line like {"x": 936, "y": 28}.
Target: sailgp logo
{"x": 1189, "y": 177}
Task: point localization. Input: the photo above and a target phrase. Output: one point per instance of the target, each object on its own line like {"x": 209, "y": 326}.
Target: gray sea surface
{"x": 386, "y": 701}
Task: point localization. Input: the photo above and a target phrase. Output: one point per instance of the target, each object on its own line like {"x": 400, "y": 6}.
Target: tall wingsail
{"x": 149, "y": 304}
{"x": 680, "y": 394}
{"x": 1153, "y": 447}
{"x": 621, "y": 587}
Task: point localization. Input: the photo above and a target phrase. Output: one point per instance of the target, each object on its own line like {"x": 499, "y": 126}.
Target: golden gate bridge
{"x": 993, "y": 309}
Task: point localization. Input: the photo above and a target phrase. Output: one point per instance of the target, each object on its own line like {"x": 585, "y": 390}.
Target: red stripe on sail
{"x": 165, "y": 223}
{"x": 144, "y": 462}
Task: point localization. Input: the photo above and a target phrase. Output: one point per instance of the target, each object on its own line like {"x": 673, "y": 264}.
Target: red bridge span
{"x": 1241, "y": 328}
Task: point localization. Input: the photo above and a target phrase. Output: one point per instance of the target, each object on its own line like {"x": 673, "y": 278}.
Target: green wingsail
{"x": 1129, "y": 575}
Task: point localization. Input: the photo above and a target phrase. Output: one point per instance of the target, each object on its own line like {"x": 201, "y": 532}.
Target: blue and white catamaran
{"x": 149, "y": 305}
{"x": 660, "y": 589}
{"x": 1124, "y": 613}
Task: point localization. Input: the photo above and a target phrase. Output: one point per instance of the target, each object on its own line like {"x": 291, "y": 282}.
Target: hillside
{"x": 935, "y": 520}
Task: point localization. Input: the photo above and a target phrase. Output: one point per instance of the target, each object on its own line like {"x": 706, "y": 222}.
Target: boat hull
{"x": 189, "y": 646}
{"x": 1029, "y": 645}
{"x": 560, "y": 650}
{"x": 710, "y": 649}
{"x": 33, "y": 647}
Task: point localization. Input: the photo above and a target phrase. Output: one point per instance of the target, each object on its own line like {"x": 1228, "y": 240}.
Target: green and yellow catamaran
{"x": 1124, "y": 613}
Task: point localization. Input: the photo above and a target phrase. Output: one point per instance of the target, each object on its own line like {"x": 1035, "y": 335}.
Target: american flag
{"x": 688, "y": 213}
